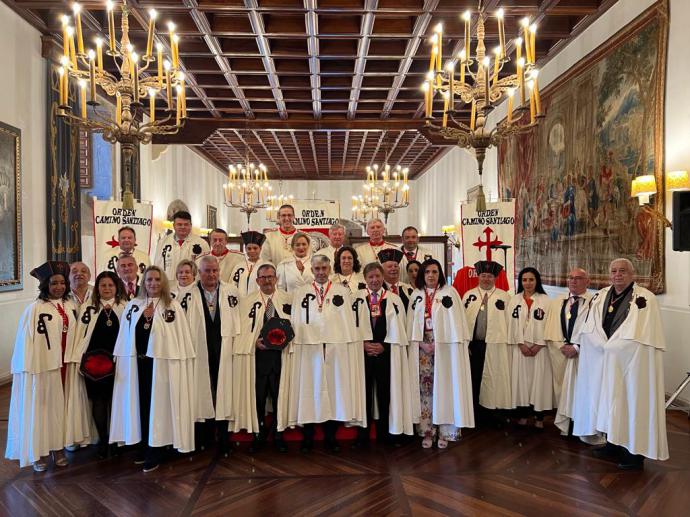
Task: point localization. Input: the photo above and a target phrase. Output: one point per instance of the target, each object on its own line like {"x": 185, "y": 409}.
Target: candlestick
{"x": 135, "y": 73}
{"x": 65, "y": 42}
{"x": 72, "y": 52}
{"x": 450, "y": 68}
{"x": 111, "y": 27}
{"x": 532, "y": 42}
{"x": 118, "y": 109}
{"x": 99, "y": 54}
{"x": 521, "y": 79}
{"x": 61, "y": 74}
{"x": 159, "y": 59}
{"x": 434, "y": 52}
{"x": 82, "y": 97}
{"x": 177, "y": 103}
{"x": 511, "y": 94}
{"x": 152, "y": 104}
{"x": 446, "y": 97}
{"x": 439, "y": 30}
{"x": 497, "y": 58}
{"x": 532, "y": 107}
{"x": 463, "y": 58}
{"x": 467, "y": 16}
{"x": 76, "y": 8}
{"x": 168, "y": 83}
{"x": 149, "y": 38}
{"x": 535, "y": 88}
{"x": 92, "y": 74}
{"x": 486, "y": 62}
{"x": 473, "y": 115}
{"x": 501, "y": 33}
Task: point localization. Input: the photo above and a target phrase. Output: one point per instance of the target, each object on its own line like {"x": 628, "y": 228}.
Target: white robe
{"x": 252, "y": 309}
{"x": 564, "y": 369}
{"x": 531, "y": 377}
{"x": 277, "y": 246}
{"x": 243, "y": 276}
{"x": 353, "y": 282}
{"x": 367, "y": 253}
{"x": 290, "y": 278}
{"x": 226, "y": 263}
{"x": 38, "y": 405}
{"x": 79, "y": 306}
{"x": 403, "y": 387}
{"x": 329, "y": 251}
{"x": 169, "y": 253}
{"x": 627, "y": 403}
{"x": 452, "y": 394}
{"x": 173, "y": 394}
{"x": 422, "y": 254}
{"x": 109, "y": 261}
{"x": 325, "y": 370}
{"x": 495, "y": 390}
{"x": 228, "y": 304}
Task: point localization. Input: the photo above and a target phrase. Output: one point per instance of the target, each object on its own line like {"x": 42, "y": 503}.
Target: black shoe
{"x": 150, "y": 466}
{"x": 280, "y": 444}
{"x": 139, "y": 459}
{"x": 332, "y": 446}
{"x": 608, "y": 452}
{"x": 257, "y": 445}
{"x": 630, "y": 461}
{"x": 224, "y": 449}
{"x": 307, "y": 445}
{"x": 102, "y": 452}
{"x": 360, "y": 443}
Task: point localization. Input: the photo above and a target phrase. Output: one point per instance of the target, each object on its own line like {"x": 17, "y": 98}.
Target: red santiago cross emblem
{"x": 488, "y": 242}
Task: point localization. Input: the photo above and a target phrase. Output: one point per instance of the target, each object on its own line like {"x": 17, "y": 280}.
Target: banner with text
{"x": 489, "y": 235}
{"x": 109, "y": 217}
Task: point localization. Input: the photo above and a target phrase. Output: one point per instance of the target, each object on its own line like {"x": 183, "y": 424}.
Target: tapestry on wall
{"x": 571, "y": 175}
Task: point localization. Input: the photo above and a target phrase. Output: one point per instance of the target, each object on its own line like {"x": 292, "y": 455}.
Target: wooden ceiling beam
{"x": 344, "y": 159}
{"x": 249, "y": 151}
{"x": 266, "y": 150}
{"x": 365, "y": 32}
{"x": 297, "y": 150}
{"x": 204, "y": 27}
{"x": 378, "y": 146}
{"x": 361, "y": 149}
{"x": 257, "y": 23}
{"x": 311, "y": 22}
{"x": 313, "y": 152}
{"x": 282, "y": 151}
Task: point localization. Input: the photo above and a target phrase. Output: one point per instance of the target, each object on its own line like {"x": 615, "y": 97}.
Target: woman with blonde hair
{"x": 295, "y": 271}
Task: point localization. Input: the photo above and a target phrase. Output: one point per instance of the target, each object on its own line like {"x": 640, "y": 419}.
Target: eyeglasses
{"x": 265, "y": 277}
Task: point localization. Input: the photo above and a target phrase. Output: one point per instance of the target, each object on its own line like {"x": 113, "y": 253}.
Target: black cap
{"x": 252, "y": 237}
{"x": 50, "y": 268}
{"x": 488, "y": 266}
{"x": 390, "y": 254}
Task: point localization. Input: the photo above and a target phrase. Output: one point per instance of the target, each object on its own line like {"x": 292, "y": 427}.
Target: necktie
{"x": 270, "y": 309}
{"x": 321, "y": 292}
{"x": 480, "y": 324}
{"x": 130, "y": 288}
{"x": 374, "y": 301}
{"x": 394, "y": 288}
{"x": 574, "y": 303}
{"x": 180, "y": 242}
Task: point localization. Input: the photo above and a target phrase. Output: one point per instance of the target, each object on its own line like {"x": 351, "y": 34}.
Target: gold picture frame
{"x": 10, "y": 209}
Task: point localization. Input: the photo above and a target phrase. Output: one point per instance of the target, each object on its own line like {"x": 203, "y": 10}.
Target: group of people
{"x": 208, "y": 341}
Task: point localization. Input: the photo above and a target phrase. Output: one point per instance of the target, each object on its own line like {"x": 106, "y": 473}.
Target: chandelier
{"x": 130, "y": 87}
{"x": 247, "y": 188}
{"x": 473, "y": 79}
{"x": 274, "y": 204}
{"x": 362, "y": 212}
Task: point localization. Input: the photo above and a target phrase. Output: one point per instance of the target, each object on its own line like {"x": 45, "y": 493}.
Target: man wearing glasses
{"x": 564, "y": 320}
{"x": 256, "y": 368}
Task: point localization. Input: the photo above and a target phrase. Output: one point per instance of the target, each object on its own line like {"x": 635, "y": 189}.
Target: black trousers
{"x": 267, "y": 384}
{"x": 207, "y": 431}
{"x": 377, "y": 374}
{"x": 330, "y": 427}
{"x": 145, "y": 372}
{"x": 100, "y": 394}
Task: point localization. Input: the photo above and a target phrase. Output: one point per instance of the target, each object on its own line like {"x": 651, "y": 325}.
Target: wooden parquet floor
{"x": 510, "y": 472}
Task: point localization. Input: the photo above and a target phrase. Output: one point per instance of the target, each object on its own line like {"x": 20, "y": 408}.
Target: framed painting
{"x": 571, "y": 175}
{"x": 10, "y": 209}
{"x": 211, "y": 217}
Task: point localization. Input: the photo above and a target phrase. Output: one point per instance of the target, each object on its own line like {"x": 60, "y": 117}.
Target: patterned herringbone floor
{"x": 510, "y": 472}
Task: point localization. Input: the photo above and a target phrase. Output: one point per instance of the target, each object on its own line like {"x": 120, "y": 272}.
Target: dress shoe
{"x": 307, "y": 445}
{"x": 332, "y": 446}
{"x": 608, "y": 452}
{"x": 629, "y": 461}
{"x": 280, "y": 444}
{"x": 257, "y": 445}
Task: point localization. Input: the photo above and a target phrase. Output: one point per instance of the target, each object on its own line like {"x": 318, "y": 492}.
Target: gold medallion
{"x": 481, "y": 308}
{"x": 109, "y": 323}
{"x": 610, "y": 309}
{"x": 568, "y": 316}
{"x": 147, "y": 326}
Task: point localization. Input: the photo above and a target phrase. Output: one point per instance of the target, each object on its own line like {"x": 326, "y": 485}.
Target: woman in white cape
{"x": 153, "y": 397}
{"x": 295, "y": 271}
{"x": 439, "y": 357}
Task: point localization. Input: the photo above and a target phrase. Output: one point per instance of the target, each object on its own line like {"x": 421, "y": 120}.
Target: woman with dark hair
{"x": 532, "y": 380}
{"x": 347, "y": 269}
{"x": 154, "y": 393}
{"x": 439, "y": 357}
{"x": 412, "y": 269}
{"x": 92, "y": 356}
{"x": 47, "y": 328}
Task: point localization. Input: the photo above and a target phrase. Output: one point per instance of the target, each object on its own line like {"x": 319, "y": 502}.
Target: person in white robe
{"x": 154, "y": 393}
{"x": 389, "y": 386}
{"x": 336, "y": 240}
{"x": 326, "y": 366}
{"x": 347, "y": 270}
{"x": 243, "y": 275}
{"x": 41, "y": 392}
{"x": 369, "y": 252}
{"x": 213, "y": 316}
{"x": 185, "y": 274}
{"x": 128, "y": 272}
{"x": 258, "y": 371}
{"x": 179, "y": 244}
{"x": 412, "y": 251}
{"x": 390, "y": 260}
{"x": 278, "y": 242}
{"x": 439, "y": 358}
{"x": 126, "y": 244}
{"x": 563, "y": 321}
{"x": 97, "y": 330}
{"x": 486, "y": 308}
{"x": 623, "y": 396}
{"x": 295, "y": 271}
{"x": 80, "y": 290}
{"x": 531, "y": 377}
{"x": 227, "y": 259}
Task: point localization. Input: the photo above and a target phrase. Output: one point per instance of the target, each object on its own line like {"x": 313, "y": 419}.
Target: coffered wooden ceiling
{"x": 316, "y": 88}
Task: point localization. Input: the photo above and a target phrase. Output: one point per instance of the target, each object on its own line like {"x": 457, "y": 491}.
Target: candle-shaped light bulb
{"x": 521, "y": 78}
{"x": 159, "y": 62}
{"x": 65, "y": 20}
{"x": 175, "y": 50}
{"x": 99, "y": 54}
{"x": 152, "y": 26}
{"x": 467, "y": 15}
{"x": 486, "y": 61}
{"x": 500, "y": 13}
{"x": 524, "y": 22}
{"x": 82, "y": 97}
{"x": 62, "y": 73}
{"x": 450, "y": 68}
{"x": 532, "y": 42}
{"x": 76, "y": 9}
{"x": 92, "y": 73}
{"x": 111, "y": 25}
{"x": 168, "y": 83}
{"x": 152, "y": 104}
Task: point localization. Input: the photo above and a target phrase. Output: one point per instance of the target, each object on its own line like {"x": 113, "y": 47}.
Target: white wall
{"x": 22, "y": 105}
{"x": 444, "y": 186}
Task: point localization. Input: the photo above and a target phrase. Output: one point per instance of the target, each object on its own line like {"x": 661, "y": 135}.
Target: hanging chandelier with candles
{"x": 140, "y": 79}
{"x": 386, "y": 189}
{"x": 274, "y": 204}
{"x": 247, "y": 188}
{"x": 473, "y": 80}
{"x": 362, "y": 212}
